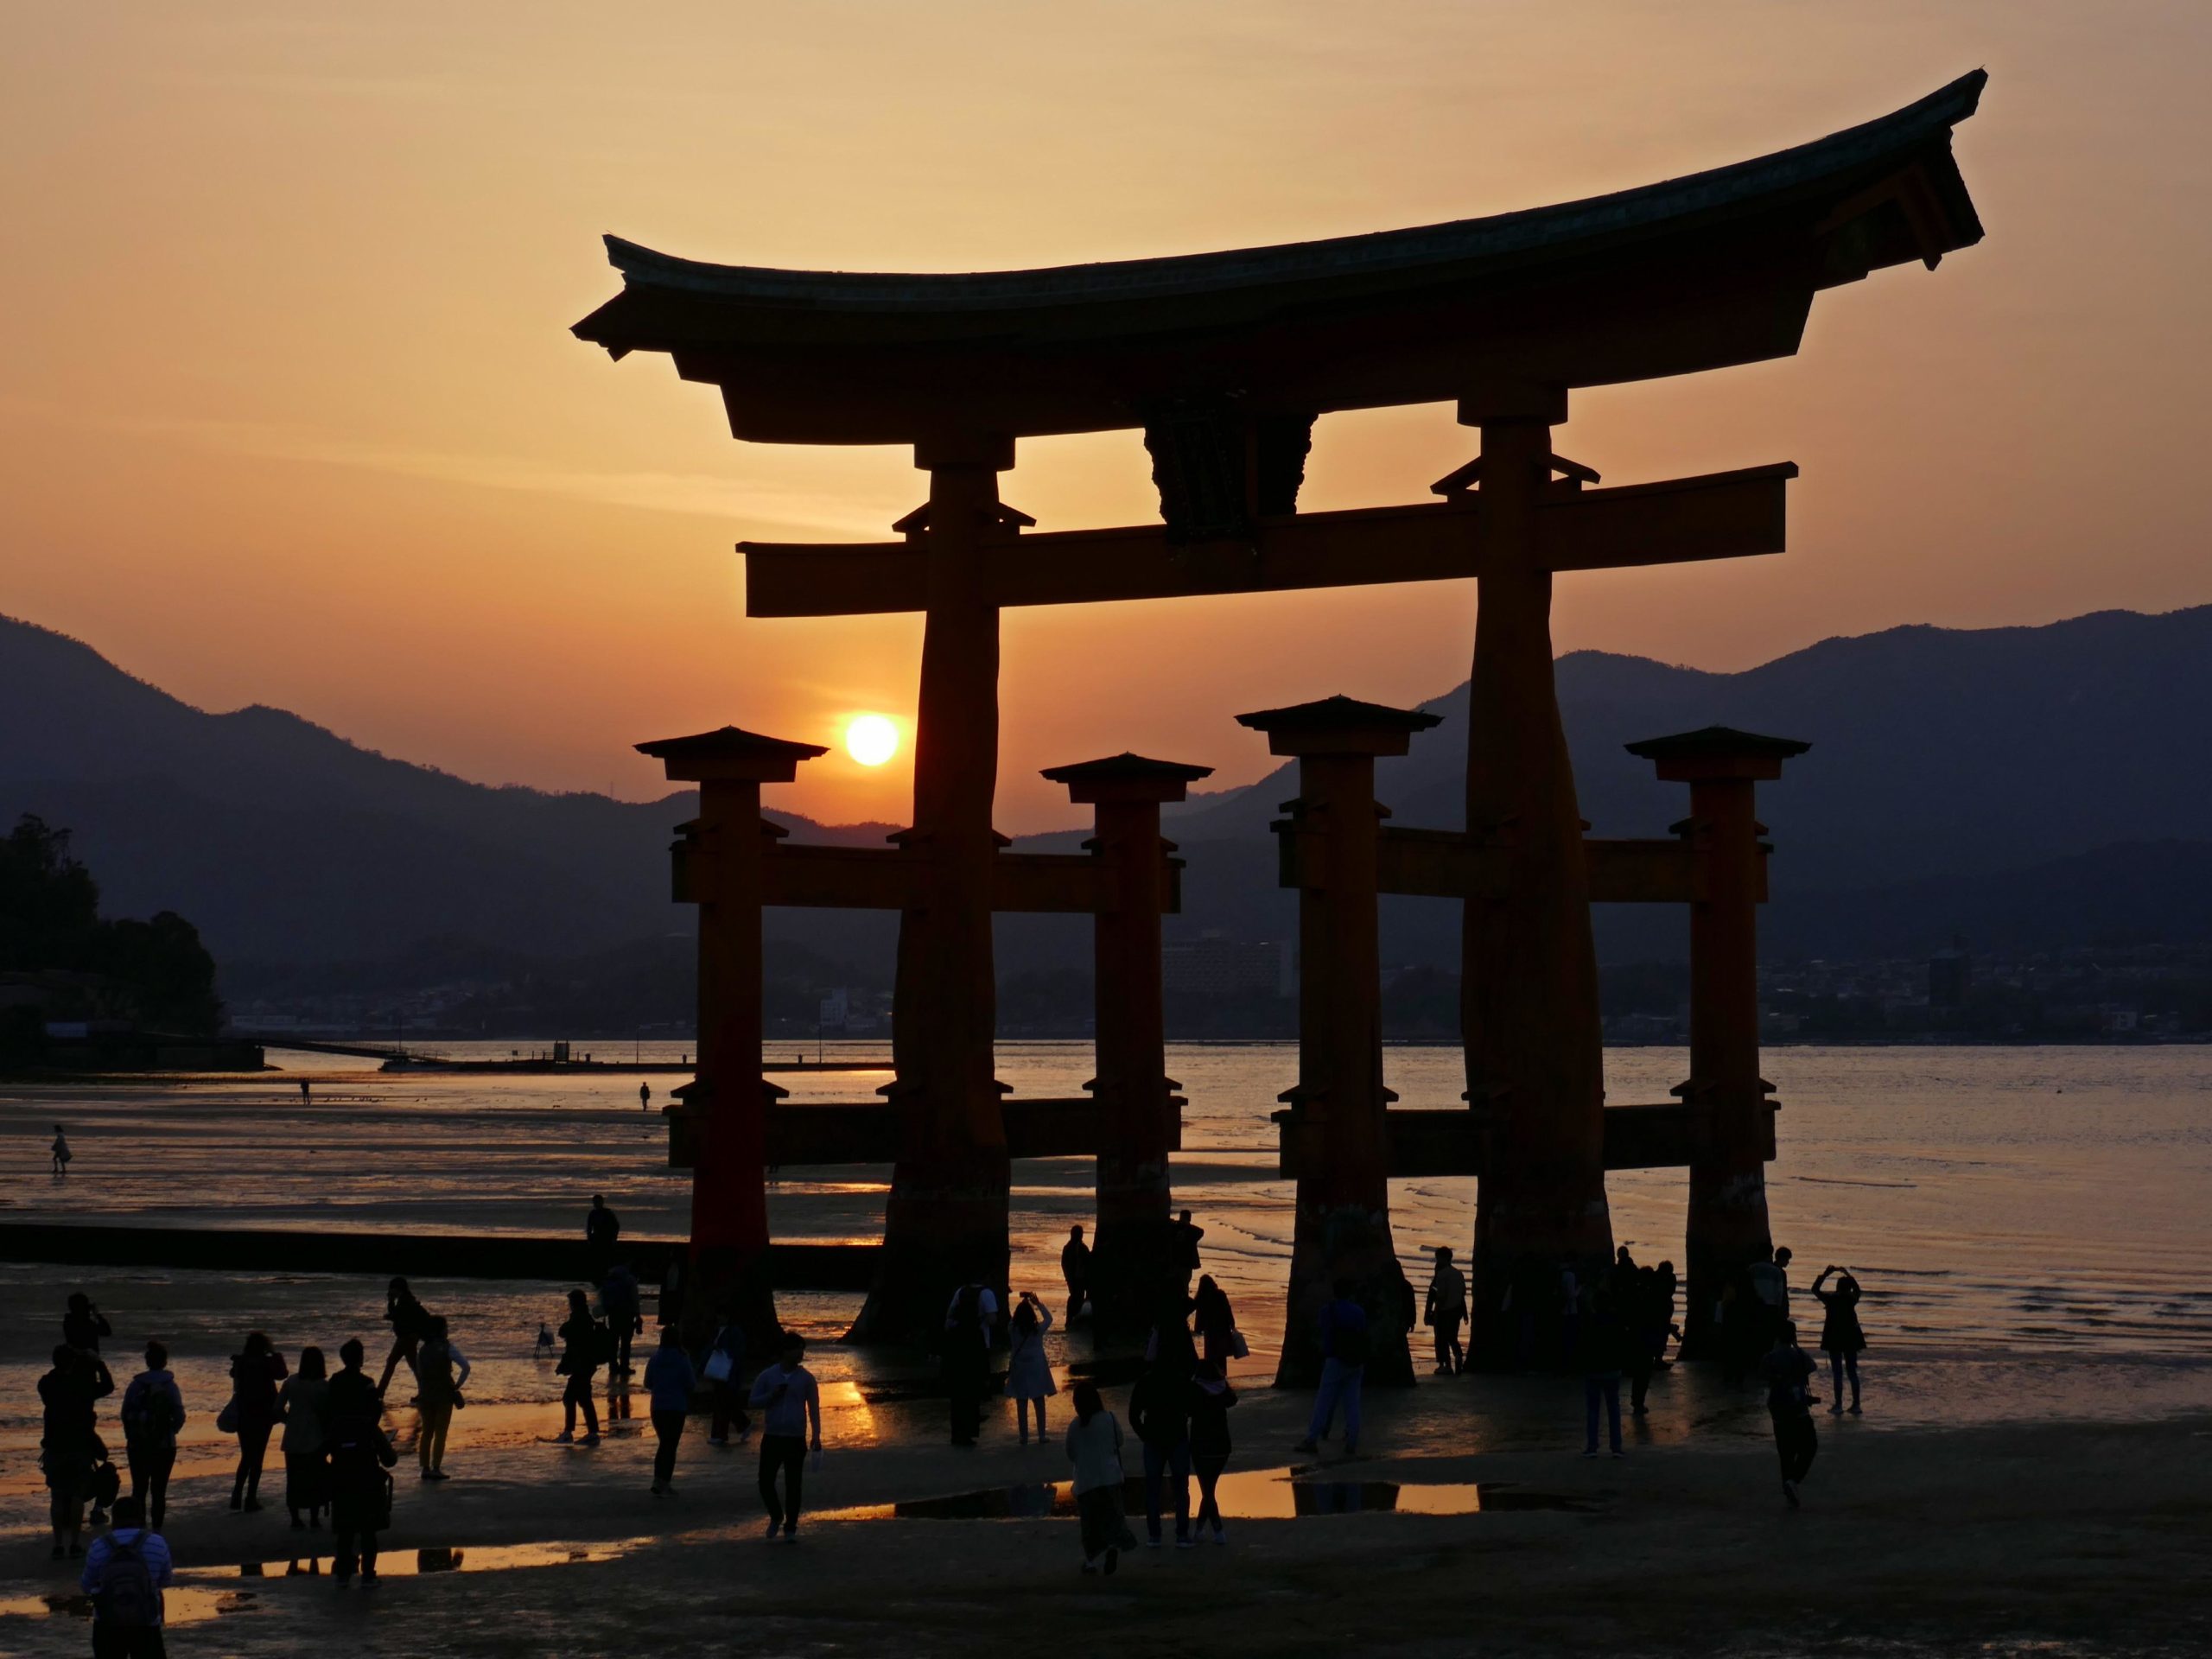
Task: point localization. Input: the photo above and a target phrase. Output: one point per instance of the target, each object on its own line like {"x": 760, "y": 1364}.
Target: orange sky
{"x": 289, "y": 412}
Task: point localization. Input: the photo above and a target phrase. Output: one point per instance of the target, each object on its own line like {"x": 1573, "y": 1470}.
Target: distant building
{"x": 1213, "y": 966}
{"x": 836, "y": 1011}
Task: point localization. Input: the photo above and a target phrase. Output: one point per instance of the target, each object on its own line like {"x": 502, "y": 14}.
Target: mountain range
{"x": 2030, "y": 786}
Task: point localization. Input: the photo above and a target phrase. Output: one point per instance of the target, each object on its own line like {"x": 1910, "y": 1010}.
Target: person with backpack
{"x": 70, "y": 1448}
{"x": 670, "y": 1385}
{"x": 255, "y": 1374}
{"x": 440, "y": 1397}
{"x": 585, "y": 1346}
{"x": 153, "y": 1411}
{"x": 1344, "y": 1369}
{"x": 360, "y": 1452}
{"x": 124, "y": 1574}
{"x": 723, "y": 1370}
{"x": 967, "y": 1360}
{"x": 410, "y": 1321}
{"x": 303, "y": 1405}
{"x": 1160, "y": 1412}
{"x": 1094, "y": 1446}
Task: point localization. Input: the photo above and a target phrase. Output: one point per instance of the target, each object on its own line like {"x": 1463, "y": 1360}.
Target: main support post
{"x": 719, "y": 870}
{"x": 946, "y": 1223}
{"x": 1131, "y": 1253}
{"x": 1342, "y": 1231}
{"x": 1732, "y": 1124}
{"x": 1529, "y": 985}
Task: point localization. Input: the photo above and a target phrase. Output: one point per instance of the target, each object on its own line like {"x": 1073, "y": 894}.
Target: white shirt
{"x": 986, "y": 1307}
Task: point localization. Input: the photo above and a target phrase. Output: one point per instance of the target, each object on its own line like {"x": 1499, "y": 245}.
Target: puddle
{"x": 453, "y": 1557}
{"x": 181, "y": 1605}
{"x": 1249, "y": 1495}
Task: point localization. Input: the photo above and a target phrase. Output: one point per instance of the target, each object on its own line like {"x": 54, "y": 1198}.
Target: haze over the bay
{"x": 291, "y": 413}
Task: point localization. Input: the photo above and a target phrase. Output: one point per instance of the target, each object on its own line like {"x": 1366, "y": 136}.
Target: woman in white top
{"x": 1094, "y": 1446}
{"x": 1028, "y": 1377}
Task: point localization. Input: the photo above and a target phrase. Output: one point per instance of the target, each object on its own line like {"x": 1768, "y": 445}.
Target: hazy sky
{"x": 289, "y": 413}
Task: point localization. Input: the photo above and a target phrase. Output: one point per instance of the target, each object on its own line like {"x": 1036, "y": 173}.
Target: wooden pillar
{"x": 720, "y": 856}
{"x": 945, "y": 1222}
{"x": 1529, "y": 987}
{"x": 1732, "y": 1124}
{"x": 1131, "y": 1257}
{"x": 1336, "y": 1122}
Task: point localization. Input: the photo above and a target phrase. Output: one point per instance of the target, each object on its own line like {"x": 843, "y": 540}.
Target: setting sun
{"x": 872, "y": 739}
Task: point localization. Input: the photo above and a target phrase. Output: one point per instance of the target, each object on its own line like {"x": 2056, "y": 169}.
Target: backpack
{"x": 128, "y": 1595}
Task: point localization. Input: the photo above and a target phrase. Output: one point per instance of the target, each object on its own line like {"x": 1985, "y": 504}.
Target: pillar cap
{"x": 1717, "y": 752}
{"x": 1125, "y": 777}
{"x": 1339, "y": 725}
{"x": 729, "y": 753}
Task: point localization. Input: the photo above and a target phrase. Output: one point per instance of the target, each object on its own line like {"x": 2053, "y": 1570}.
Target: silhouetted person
{"x": 1789, "y": 1369}
{"x": 644, "y": 1097}
{"x": 303, "y": 1407}
{"x": 307, "y": 1092}
{"x": 1210, "y": 1399}
{"x": 1602, "y": 1345}
{"x": 1567, "y": 1298}
{"x": 789, "y": 1404}
{"x": 1075, "y": 1268}
{"x": 967, "y": 1358}
{"x": 255, "y": 1373}
{"x": 601, "y": 1228}
{"x": 360, "y": 1452}
{"x": 1094, "y": 1446}
{"x": 725, "y": 1373}
{"x": 1769, "y": 1277}
{"x": 84, "y": 1325}
{"x": 1214, "y": 1321}
{"x": 61, "y": 1152}
{"x": 1640, "y": 1312}
{"x": 1170, "y": 1338}
{"x": 618, "y": 1296}
{"x": 411, "y": 1322}
{"x": 670, "y": 1385}
{"x": 1344, "y": 1369}
{"x": 153, "y": 1411}
{"x": 124, "y": 1574}
{"x": 583, "y": 1341}
{"x": 1841, "y": 1338}
{"x": 1447, "y": 1313}
{"x": 1028, "y": 1375}
{"x": 442, "y": 1372}
{"x": 1160, "y": 1412}
{"x": 70, "y": 1448}
{"x": 1182, "y": 1246}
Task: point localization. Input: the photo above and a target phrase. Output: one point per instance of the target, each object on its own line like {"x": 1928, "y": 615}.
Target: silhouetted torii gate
{"x": 1225, "y": 360}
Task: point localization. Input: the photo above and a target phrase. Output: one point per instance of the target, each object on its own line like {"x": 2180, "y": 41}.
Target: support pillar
{"x": 1528, "y": 988}
{"x": 1731, "y": 1123}
{"x": 719, "y": 871}
{"x": 1335, "y": 1121}
{"x": 945, "y": 1222}
{"x": 1131, "y": 1248}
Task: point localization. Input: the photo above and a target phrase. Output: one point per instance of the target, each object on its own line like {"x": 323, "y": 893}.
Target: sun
{"x": 872, "y": 739}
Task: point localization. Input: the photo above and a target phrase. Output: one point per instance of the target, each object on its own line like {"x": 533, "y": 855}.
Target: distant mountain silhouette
{"x": 1960, "y": 780}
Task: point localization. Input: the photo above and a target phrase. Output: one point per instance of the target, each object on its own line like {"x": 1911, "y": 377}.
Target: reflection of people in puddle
{"x": 1841, "y": 1338}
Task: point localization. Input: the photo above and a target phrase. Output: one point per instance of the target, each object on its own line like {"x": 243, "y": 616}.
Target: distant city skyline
{"x": 293, "y": 415}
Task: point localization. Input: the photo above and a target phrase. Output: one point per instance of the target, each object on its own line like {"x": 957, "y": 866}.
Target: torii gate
{"x": 1225, "y": 360}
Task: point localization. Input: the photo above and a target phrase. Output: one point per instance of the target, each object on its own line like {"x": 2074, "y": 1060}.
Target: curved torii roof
{"x": 1698, "y": 272}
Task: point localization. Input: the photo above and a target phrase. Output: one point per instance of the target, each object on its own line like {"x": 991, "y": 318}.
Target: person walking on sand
{"x": 441, "y": 1371}
{"x": 1447, "y": 1313}
{"x": 61, "y": 1152}
{"x": 624, "y": 1307}
{"x": 644, "y": 1097}
{"x": 1787, "y": 1369}
{"x": 1210, "y": 1399}
{"x": 1216, "y": 1322}
{"x": 724, "y": 1372}
{"x": 791, "y": 1405}
{"x": 1075, "y": 1268}
{"x": 1603, "y": 1340}
{"x": 411, "y": 1322}
{"x": 360, "y": 1452}
{"x": 670, "y": 1385}
{"x": 1841, "y": 1338}
{"x": 1094, "y": 1446}
{"x": 1184, "y": 1238}
{"x": 1344, "y": 1369}
{"x": 1028, "y": 1377}
{"x": 303, "y": 1405}
{"x": 1160, "y": 1412}
{"x": 966, "y": 1365}
{"x": 124, "y": 1574}
{"x": 307, "y": 1092}
{"x": 584, "y": 1340}
{"x": 255, "y": 1373}
{"x": 153, "y": 1411}
{"x": 70, "y": 1448}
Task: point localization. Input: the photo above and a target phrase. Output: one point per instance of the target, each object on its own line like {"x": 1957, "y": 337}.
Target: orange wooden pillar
{"x": 1335, "y": 1123}
{"x": 719, "y": 871}
{"x": 1130, "y": 1256}
{"x": 1529, "y": 1018}
{"x": 946, "y": 1221}
{"x": 1732, "y": 1124}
